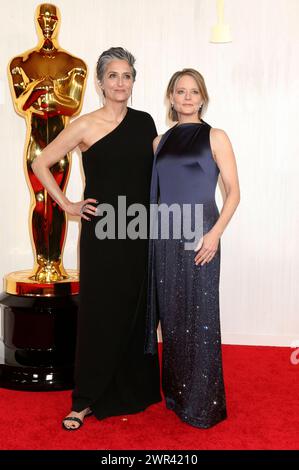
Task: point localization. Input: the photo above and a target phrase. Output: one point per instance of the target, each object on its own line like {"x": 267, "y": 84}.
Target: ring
{"x": 82, "y": 208}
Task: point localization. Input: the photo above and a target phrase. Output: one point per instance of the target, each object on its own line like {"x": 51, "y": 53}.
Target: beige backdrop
{"x": 254, "y": 87}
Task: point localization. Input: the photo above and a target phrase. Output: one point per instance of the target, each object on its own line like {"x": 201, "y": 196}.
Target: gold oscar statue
{"x": 39, "y": 307}
{"x": 47, "y": 85}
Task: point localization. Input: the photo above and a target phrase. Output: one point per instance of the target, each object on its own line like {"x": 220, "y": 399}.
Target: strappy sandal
{"x": 76, "y": 420}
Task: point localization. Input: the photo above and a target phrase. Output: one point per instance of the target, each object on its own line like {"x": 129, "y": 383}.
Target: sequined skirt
{"x": 188, "y": 304}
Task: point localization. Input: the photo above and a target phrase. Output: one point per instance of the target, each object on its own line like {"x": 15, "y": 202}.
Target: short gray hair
{"x": 114, "y": 53}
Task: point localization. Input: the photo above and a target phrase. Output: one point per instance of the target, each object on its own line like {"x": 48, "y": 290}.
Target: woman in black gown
{"x": 113, "y": 376}
{"x": 184, "y": 287}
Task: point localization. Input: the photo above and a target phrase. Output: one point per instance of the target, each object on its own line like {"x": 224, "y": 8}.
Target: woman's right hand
{"x": 81, "y": 208}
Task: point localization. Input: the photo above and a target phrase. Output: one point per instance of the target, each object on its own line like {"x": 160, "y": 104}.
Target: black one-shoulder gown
{"x": 113, "y": 376}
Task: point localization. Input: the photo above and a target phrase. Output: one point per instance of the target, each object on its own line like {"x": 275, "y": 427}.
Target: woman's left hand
{"x": 207, "y": 248}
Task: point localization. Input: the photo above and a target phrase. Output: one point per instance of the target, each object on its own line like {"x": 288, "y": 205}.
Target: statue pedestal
{"x": 37, "y": 348}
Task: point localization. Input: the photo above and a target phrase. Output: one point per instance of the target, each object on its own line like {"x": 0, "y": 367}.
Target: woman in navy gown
{"x": 184, "y": 283}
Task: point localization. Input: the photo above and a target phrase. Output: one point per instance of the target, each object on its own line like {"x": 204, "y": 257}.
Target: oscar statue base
{"x": 38, "y": 324}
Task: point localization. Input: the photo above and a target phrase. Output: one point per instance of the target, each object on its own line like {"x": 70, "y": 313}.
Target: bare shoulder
{"x": 82, "y": 122}
{"x": 95, "y": 116}
{"x": 91, "y": 127}
{"x": 91, "y": 119}
{"x": 219, "y": 140}
{"x": 76, "y": 131}
{"x": 218, "y": 135}
{"x": 156, "y": 141}
{"x": 221, "y": 147}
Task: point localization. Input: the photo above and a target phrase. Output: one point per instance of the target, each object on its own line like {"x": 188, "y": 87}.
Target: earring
{"x": 172, "y": 106}
{"x": 103, "y": 96}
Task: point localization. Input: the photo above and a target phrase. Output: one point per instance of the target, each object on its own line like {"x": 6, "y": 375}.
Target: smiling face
{"x": 186, "y": 97}
{"x": 47, "y": 17}
{"x": 117, "y": 83}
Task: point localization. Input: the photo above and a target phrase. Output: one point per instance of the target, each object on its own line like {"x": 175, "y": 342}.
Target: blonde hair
{"x": 171, "y": 112}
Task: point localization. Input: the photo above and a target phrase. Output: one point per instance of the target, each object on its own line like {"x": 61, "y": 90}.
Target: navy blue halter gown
{"x": 185, "y": 297}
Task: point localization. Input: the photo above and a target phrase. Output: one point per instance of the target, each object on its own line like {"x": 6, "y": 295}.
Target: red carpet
{"x": 262, "y": 390}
